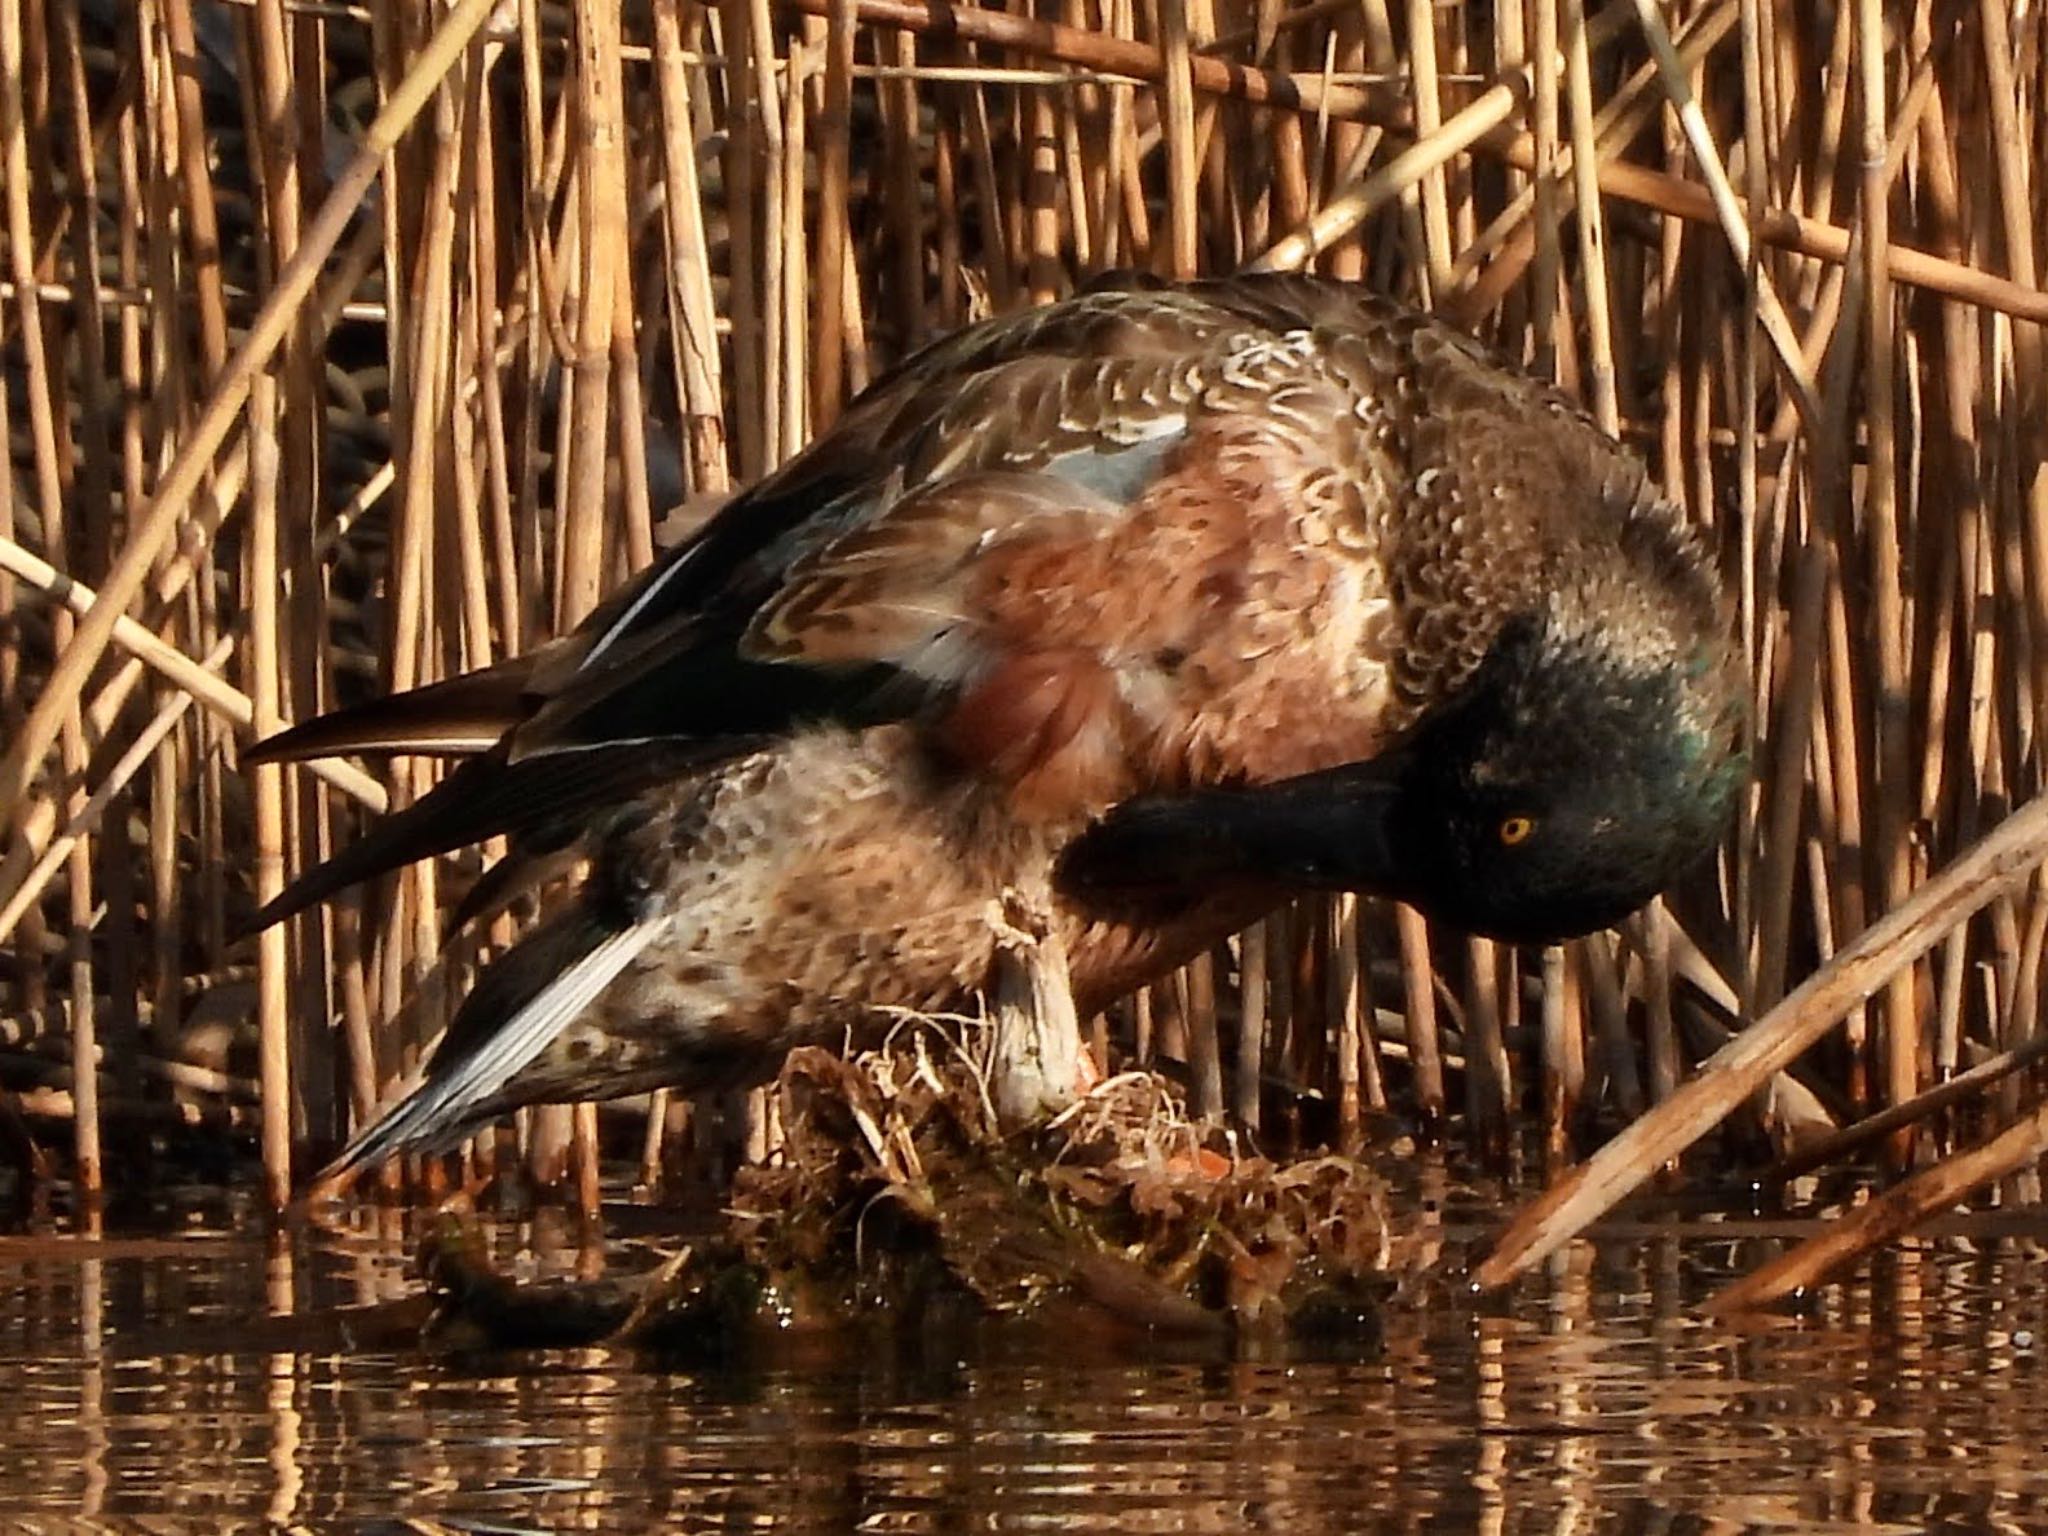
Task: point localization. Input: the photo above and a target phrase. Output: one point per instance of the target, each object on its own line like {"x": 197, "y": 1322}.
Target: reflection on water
{"x": 137, "y": 1380}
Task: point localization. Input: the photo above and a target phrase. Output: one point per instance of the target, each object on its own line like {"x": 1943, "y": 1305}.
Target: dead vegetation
{"x": 350, "y": 346}
{"x": 897, "y": 1196}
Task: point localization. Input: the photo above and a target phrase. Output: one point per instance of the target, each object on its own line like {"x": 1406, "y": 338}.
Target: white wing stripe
{"x": 447, "y": 1102}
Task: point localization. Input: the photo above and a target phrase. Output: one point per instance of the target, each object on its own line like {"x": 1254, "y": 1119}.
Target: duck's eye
{"x": 1515, "y": 829}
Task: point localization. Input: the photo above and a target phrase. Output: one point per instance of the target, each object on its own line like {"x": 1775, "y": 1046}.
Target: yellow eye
{"x": 1516, "y": 829}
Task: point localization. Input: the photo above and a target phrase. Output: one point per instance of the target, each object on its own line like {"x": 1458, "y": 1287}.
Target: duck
{"x": 1171, "y": 601}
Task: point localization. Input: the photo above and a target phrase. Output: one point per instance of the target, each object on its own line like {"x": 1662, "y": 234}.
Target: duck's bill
{"x": 1322, "y": 831}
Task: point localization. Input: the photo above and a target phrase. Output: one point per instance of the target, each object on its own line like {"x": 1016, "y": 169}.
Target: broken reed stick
{"x": 118, "y": 777}
{"x": 1999, "y": 861}
{"x": 1851, "y": 1139}
{"x": 1888, "y": 1215}
{"x": 63, "y": 1105}
{"x": 180, "y": 670}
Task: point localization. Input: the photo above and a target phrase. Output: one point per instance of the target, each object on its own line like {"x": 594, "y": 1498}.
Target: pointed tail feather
{"x": 545, "y": 799}
{"x": 526, "y": 998}
{"x": 457, "y": 717}
{"x": 466, "y": 807}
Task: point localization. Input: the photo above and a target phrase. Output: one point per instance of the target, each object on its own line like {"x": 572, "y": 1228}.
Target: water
{"x": 193, "y": 1377}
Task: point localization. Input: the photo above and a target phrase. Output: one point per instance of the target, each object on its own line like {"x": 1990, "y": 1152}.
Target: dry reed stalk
{"x": 1339, "y": 935}
{"x": 48, "y": 420}
{"x": 1892, "y": 764}
{"x": 833, "y": 132}
{"x": 2014, "y": 204}
{"x": 152, "y": 528}
{"x": 1249, "y": 1065}
{"x": 1593, "y": 273}
{"x": 794, "y": 246}
{"x": 202, "y": 225}
{"x": 113, "y": 874}
{"x": 420, "y": 244}
{"x": 692, "y": 318}
{"x": 131, "y": 762}
{"x": 1035, "y": 210}
{"x": 463, "y": 521}
{"x": 1976, "y": 638}
{"x": 592, "y": 243}
{"x": 1489, "y": 1079}
{"x": 1564, "y": 1066}
{"x": 771, "y": 145}
{"x": 285, "y": 113}
{"x": 1204, "y": 1047}
{"x": 1425, "y": 1051}
{"x": 1177, "y": 69}
{"x": 1661, "y": 1027}
{"x": 946, "y": 209}
{"x": 1758, "y": 151}
{"x": 273, "y": 991}
{"x": 1429, "y": 116}
{"x": 1543, "y": 193}
{"x": 744, "y": 305}
{"x": 896, "y": 50}
{"x": 1345, "y": 147}
{"x": 1619, "y": 1070}
{"x": 636, "y": 496}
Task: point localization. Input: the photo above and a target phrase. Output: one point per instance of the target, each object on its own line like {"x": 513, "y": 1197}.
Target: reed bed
{"x": 351, "y": 345}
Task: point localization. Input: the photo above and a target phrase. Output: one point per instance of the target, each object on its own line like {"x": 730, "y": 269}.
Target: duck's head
{"x": 1563, "y": 788}
{"x": 1577, "y": 772}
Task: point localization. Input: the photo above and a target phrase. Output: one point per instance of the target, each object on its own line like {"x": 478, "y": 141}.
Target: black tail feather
{"x": 546, "y": 799}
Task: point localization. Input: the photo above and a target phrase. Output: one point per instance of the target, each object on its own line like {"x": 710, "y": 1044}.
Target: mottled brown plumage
{"x": 1175, "y": 597}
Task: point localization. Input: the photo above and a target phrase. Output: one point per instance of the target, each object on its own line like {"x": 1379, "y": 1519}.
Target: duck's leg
{"x": 1038, "y": 1063}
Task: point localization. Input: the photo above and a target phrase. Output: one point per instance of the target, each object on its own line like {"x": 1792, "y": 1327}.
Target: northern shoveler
{"x": 1178, "y": 597}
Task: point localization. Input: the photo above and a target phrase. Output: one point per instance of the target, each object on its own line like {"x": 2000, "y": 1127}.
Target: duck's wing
{"x": 517, "y": 1008}
{"x": 662, "y": 679}
{"x": 1027, "y": 538}
{"x": 1083, "y": 390}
